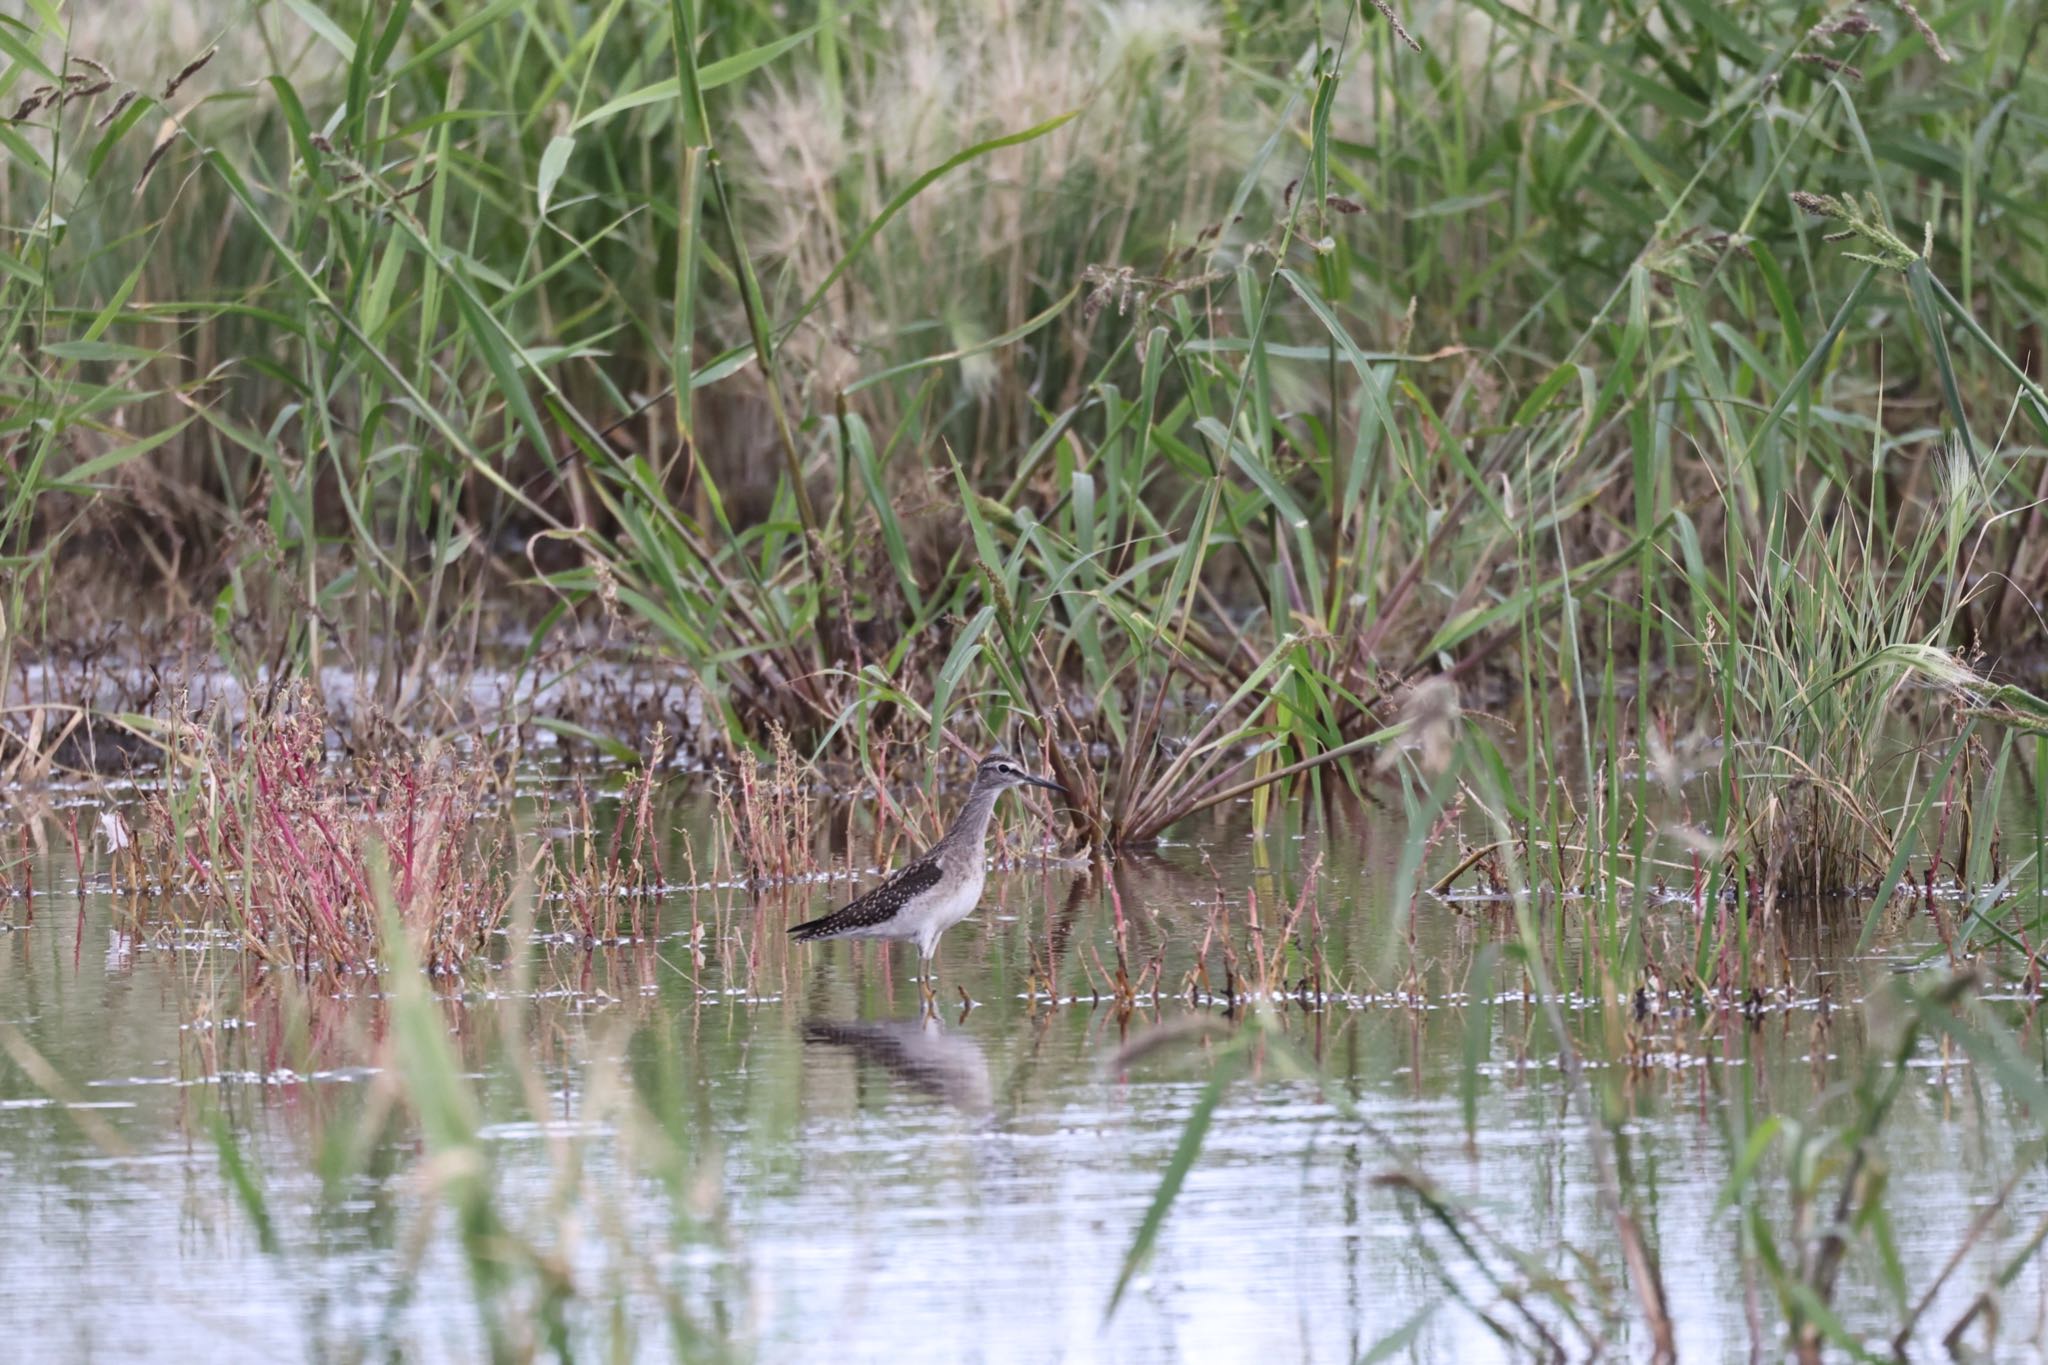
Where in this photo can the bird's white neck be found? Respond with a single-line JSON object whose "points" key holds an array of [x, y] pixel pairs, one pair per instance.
{"points": [[969, 831]]}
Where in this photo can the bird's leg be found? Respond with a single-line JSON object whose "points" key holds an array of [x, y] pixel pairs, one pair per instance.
{"points": [[924, 983]]}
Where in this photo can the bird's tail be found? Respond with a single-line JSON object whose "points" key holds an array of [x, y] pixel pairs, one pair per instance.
{"points": [[823, 927]]}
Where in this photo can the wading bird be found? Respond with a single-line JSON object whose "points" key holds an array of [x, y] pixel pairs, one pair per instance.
{"points": [[932, 893]]}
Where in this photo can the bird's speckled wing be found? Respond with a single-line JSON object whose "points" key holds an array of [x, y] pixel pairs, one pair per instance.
{"points": [[877, 907]]}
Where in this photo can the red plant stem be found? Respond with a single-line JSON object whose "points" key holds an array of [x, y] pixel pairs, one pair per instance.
{"points": [[412, 800], [588, 889], [78, 857], [1255, 933], [342, 863], [615, 878], [324, 911], [1116, 904], [77, 852], [1948, 796], [1723, 943], [640, 841], [653, 844]]}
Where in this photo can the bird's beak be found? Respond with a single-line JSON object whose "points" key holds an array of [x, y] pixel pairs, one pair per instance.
{"points": [[1047, 783]]}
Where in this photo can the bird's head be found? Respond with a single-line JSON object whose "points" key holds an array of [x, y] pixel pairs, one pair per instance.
{"points": [[998, 771]]}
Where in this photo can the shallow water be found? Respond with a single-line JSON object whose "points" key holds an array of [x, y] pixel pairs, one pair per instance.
{"points": [[864, 1184]]}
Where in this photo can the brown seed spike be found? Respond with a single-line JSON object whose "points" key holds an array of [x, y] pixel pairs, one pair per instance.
{"points": [[411, 190], [1927, 34], [165, 136], [1826, 63], [128, 97], [1399, 32], [1851, 23], [191, 70], [29, 105]]}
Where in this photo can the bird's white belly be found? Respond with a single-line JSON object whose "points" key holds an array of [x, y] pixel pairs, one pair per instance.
{"points": [[935, 915]]}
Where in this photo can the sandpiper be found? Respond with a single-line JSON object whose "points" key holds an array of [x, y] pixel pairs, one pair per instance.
{"points": [[932, 893]]}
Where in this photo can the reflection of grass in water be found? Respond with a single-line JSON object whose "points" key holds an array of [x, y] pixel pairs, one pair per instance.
{"points": [[555, 1265], [530, 1265], [1807, 1196]]}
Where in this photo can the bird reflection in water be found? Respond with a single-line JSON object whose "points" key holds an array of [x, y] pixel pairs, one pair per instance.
{"points": [[922, 1053]]}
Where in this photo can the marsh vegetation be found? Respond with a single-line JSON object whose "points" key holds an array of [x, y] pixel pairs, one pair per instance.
{"points": [[1521, 530]]}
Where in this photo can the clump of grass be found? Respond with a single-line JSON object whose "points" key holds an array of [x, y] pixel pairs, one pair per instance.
{"points": [[268, 834], [766, 815], [600, 884]]}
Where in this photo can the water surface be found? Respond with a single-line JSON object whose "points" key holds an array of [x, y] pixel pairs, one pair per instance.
{"points": [[865, 1183]]}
